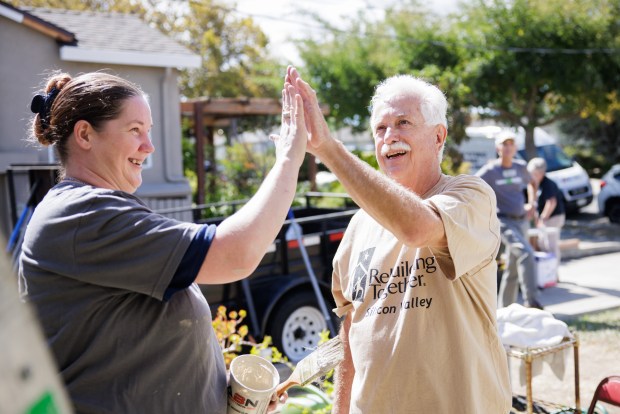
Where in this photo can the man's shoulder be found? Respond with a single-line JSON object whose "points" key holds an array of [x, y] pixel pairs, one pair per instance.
{"points": [[360, 218], [467, 181], [490, 165]]}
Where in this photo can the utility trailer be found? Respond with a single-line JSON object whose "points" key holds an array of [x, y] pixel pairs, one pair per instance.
{"points": [[279, 296]]}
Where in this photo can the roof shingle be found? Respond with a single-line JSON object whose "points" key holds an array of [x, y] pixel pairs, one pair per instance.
{"points": [[110, 31]]}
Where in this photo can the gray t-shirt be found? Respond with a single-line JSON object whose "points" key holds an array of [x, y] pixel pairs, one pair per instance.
{"points": [[508, 184], [97, 263]]}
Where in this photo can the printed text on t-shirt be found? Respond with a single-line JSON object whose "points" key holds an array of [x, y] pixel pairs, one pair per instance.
{"points": [[372, 284]]}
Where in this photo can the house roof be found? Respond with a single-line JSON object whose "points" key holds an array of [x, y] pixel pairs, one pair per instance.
{"points": [[35, 23], [112, 38]]}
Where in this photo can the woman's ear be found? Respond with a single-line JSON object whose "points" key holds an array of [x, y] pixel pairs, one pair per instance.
{"points": [[82, 132]]}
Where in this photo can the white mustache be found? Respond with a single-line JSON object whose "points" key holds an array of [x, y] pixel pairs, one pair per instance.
{"points": [[398, 145]]}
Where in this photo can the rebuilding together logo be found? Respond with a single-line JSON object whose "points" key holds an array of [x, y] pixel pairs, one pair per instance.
{"points": [[407, 275]]}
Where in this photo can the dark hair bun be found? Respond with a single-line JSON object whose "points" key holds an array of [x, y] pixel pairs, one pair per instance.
{"points": [[43, 125]]}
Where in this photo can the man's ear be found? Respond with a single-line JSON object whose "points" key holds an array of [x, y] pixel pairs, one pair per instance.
{"points": [[82, 132], [441, 133]]}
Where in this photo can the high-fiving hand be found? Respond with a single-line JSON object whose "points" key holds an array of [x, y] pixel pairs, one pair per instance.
{"points": [[293, 138], [315, 122]]}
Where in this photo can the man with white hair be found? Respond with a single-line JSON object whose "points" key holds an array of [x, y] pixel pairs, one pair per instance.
{"points": [[510, 180], [415, 274]]}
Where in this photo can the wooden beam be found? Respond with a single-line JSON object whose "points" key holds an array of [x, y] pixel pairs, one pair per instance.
{"points": [[199, 133], [211, 113], [237, 107], [213, 175], [240, 106]]}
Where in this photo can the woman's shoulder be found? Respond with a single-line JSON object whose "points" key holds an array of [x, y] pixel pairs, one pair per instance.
{"points": [[68, 198]]}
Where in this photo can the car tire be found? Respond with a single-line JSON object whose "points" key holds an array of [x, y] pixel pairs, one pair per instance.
{"points": [[296, 324], [613, 211]]}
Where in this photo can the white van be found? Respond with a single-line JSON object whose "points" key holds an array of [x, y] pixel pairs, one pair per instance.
{"points": [[570, 177]]}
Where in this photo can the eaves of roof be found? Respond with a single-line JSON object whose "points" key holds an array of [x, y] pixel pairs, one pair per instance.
{"points": [[33, 22], [104, 38]]}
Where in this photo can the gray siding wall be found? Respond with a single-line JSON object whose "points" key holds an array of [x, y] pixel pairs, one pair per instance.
{"points": [[27, 58]]}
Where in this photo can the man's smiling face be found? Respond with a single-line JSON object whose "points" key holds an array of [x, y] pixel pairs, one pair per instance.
{"points": [[405, 146]]}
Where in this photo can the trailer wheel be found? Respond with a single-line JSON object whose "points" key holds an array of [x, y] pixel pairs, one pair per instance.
{"points": [[296, 325]]}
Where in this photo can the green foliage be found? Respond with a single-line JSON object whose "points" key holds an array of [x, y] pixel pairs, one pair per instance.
{"points": [[522, 62], [123, 6], [527, 62], [595, 140], [346, 65], [368, 157], [232, 335], [336, 187], [235, 61], [520, 76], [596, 164], [243, 170], [453, 164], [239, 175]]}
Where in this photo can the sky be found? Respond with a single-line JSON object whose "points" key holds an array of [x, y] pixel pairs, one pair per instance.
{"points": [[280, 19]]}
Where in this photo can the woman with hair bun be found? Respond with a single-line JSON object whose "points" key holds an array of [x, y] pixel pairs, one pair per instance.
{"points": [[115, 284]]}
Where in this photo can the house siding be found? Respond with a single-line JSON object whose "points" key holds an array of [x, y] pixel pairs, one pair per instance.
{"points": [[28, 57]]}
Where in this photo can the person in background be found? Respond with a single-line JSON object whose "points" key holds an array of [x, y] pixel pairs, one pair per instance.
{"points": [[115, 284], [415, 274], [509, 178], [551, 211]]}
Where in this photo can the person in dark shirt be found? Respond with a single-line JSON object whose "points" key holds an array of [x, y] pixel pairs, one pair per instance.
{"points": [[551, 210], [115, 285]]}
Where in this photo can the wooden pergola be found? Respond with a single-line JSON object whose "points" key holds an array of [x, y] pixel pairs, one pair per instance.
{"points": [[211, 113]]}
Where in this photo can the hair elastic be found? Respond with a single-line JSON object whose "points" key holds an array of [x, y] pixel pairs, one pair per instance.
{"points": [[42, 105]]}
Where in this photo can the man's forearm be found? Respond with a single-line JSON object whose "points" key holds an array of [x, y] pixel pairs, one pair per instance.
{"points": [[382, 198]]}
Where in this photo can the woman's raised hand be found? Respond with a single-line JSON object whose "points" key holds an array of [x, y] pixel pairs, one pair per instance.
{"points": [[293, 138]]}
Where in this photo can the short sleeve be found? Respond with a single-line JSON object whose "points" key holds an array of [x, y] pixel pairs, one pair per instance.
{"points": [[467, 208], [125, 245], [192, 260], [340, 275]]}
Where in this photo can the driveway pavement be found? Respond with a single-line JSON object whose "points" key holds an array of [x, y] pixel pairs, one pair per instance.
{"points": [[589, 284]]}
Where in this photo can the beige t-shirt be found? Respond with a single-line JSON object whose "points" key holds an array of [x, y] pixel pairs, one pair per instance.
{"points": [[423, 335]]}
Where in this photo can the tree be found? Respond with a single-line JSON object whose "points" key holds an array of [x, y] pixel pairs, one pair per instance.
{"points": [[346, 65], [123, 6], [595, 140], [535, 62], [524, 63], [235, 60], [343, 68]]}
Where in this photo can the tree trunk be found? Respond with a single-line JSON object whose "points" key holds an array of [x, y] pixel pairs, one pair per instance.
{"points": [[530, 146]]}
